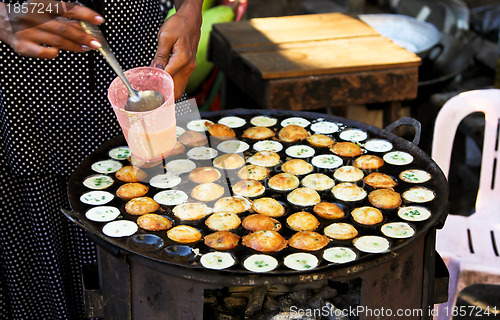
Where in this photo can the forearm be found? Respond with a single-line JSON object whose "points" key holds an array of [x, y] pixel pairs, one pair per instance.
{"points": [[191, 10], [178, 41]]}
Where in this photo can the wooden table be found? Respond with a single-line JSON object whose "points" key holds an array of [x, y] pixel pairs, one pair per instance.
{"points": [[314, 61]]}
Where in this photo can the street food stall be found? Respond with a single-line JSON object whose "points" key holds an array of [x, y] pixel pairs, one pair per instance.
{"points": [[276, 212]]}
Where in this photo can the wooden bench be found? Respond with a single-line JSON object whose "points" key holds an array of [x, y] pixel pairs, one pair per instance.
{"points": [[312, 62]]}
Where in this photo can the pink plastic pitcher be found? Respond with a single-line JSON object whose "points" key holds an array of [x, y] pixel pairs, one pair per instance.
{"points": [[150, 135]]}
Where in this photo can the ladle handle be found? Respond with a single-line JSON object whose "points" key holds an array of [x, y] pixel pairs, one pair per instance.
{"points": [[108, 55]]}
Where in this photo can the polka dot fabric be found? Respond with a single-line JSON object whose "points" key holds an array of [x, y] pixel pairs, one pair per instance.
{"points": [[53, 113]]}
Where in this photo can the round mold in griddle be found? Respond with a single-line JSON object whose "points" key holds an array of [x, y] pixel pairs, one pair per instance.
{"points": [[415, 176], [300, 151], [180, 166], [350, 174], [311, 181], [398, 158], [96, 197], [205, 175], [241, 189], [369, 229], [120, 153], [202, 156], [339, 255], [418, 195], [107, 166], [297, 167], [302, 221], [179, 253], [301, 261], [171, 198], [320, 142], [102, 213], [299, 121], [260, 263], [398, 230], [326, 162], [349, 193], [414, 214], [329, 217], [372, 244], [267, 159], [146, 242], [310, 198], [341, 231], [373, 185], [283, 182], [233, 146], [198, 125], [165, 180], [378, 145], [98, 182], [233, 122], [268, 145], [120, 228], [179, 131], [353, 135], [263, 121], [217, 260], [324, 127]]}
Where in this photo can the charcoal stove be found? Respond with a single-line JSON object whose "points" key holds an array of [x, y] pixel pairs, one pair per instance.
{"points": [[139, 283]]}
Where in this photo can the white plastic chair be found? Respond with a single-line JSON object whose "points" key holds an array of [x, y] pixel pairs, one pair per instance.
{"points": [[470, 245]]}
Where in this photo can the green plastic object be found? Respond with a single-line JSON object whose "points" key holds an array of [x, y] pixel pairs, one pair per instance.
{"points": [[218, 14], [170, 13], [207, 4]]}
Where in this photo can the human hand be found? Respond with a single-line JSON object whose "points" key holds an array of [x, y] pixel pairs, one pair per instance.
{"points": [[177, 44], [40, 28]]}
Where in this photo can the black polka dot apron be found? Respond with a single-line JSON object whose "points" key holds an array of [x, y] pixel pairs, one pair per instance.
{"points": [[53, 113]]}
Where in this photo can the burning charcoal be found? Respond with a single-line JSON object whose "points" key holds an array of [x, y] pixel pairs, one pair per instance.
{"points": [[335, 313], [316, 303], [271, 304], [327, 293], [256, 300], [340, 301], [232, 303], [301, 297], [346, 300], [318, 300], [285, 303], [352, 297]]}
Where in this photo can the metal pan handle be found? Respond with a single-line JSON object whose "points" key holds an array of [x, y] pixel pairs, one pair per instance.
{"points": [[74, 218], [406, 121]]}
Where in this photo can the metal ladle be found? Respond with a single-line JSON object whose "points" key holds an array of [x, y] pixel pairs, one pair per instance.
{"points": [[138, 101]]}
